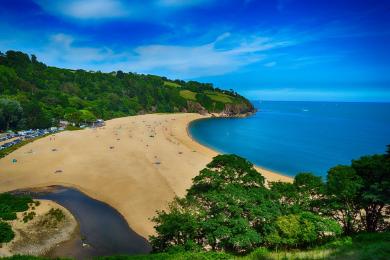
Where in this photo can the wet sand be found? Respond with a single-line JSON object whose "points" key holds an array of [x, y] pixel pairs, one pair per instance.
{"points": [[135, 164]]}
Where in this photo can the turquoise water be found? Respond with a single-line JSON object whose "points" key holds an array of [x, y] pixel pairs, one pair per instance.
{"points": [[292, 137]]}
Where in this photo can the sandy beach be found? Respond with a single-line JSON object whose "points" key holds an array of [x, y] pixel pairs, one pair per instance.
{"points": [[136, 164]]}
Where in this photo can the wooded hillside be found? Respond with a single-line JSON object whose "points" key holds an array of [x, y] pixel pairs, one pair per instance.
{"points": [[34, 95]]}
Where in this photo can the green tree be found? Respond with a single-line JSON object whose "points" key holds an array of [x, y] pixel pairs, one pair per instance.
{"points": [[87, 116], [10, 113], [287, 194], [304, 194], [374, 195], [228, 206], [343, 186], [8, 80], [302, 230], [206, 102], [36, 116], [177, 227], [74, 117], [310, 190]]}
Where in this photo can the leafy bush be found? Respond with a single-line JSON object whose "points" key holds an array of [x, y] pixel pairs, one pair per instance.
{"points": [[6, 233], [57, 214], [8, 216], [302, 230], [28, 216], [10, 204]]}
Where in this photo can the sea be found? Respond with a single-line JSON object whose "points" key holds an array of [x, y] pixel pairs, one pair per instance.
{"points": [[293, 137]]}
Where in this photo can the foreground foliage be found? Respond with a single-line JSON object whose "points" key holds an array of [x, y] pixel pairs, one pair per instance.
{"points": [[229, 208], [358, 247], [361, 246]]}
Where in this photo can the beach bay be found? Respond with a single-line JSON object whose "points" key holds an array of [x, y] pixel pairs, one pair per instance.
{"points": [[135, 164]]}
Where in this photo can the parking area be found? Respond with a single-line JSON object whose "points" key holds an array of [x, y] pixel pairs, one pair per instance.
{"points": [[10, 139]]}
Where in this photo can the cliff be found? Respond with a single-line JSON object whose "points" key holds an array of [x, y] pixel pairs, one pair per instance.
{"points": [[229, 109]]}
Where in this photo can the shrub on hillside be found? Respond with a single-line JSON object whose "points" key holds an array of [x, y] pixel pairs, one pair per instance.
{"points": [[302, 230]]}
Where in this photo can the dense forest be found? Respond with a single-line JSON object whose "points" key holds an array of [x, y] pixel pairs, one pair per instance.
{"points": [[229, 208], [34, 95]]}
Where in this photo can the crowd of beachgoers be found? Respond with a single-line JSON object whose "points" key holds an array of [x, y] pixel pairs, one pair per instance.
{"points": [[10, 139]]}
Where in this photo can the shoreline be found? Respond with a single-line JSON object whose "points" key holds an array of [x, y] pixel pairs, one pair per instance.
{"points": [[136, 164], [270, 175]]}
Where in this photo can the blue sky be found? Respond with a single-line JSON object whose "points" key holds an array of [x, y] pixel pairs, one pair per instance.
{"points": [[264, 49]]}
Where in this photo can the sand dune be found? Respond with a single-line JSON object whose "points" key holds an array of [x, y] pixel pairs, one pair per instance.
{"points": [[136, 164]]}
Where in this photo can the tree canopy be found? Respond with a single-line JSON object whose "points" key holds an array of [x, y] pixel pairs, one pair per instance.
{"points": [[229, 207], [34, 95]]}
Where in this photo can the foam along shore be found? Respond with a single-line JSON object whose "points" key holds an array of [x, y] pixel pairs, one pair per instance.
{"points": [[42, 233], [135, 164]]}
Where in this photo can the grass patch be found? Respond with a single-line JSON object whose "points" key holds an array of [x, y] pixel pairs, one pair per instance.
{"points": [[359, 247], [173, 256], [219, 97], [73, 128], [171, 84], [187, 94]]}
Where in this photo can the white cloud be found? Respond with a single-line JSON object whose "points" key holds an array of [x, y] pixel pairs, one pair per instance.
{"points": [[182, 3], [85, 9], [61, 50], [226, 54], [114, 9]]}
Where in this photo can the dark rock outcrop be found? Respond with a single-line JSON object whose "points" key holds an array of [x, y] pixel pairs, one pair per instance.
{"points": [[234, 110], [195, 107], [229, 110]]}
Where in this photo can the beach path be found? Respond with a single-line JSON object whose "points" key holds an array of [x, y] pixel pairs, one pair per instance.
{"points": [[135, 164]]}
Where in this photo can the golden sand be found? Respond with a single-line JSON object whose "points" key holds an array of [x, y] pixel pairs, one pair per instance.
{"points": [[136, 164]]}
